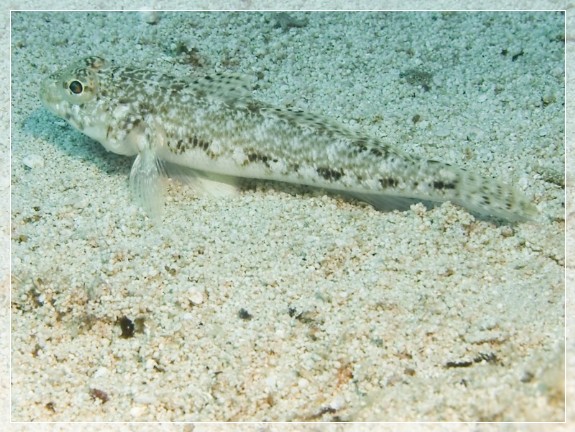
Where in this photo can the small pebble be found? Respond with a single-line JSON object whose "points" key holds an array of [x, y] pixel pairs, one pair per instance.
{"points": [[150, 17], [33, 161], [196, 296], [138, 411], [100, 372]]}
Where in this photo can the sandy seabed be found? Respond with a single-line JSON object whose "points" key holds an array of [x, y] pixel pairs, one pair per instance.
{"points": [[284, 304]]}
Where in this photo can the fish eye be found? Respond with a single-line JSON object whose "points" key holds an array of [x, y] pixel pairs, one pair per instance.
{"points": [[76, 87]]}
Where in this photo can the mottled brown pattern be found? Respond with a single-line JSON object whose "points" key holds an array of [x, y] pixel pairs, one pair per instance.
{"points": [[213, 124]]}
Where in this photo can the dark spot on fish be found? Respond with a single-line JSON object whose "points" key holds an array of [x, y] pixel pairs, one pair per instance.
{"points": [[257, 157], [443, 185], [176, 87], [388, 182], [253, 107], [196, 142], [328, 133], [360, 144], [124, 100], [329, 174]]}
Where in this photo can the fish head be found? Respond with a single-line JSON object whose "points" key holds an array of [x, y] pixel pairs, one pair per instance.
{"points": [[82, 95], [73, 86]]}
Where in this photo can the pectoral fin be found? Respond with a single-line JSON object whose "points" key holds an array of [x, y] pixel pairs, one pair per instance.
{"points": [[147, 183]]}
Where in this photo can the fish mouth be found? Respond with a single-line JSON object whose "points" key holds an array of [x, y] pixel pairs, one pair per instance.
{"points": [[51, 97], [47, 93]]}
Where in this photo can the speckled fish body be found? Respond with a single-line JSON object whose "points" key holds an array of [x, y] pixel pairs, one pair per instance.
{"points": [[212, 124]]}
